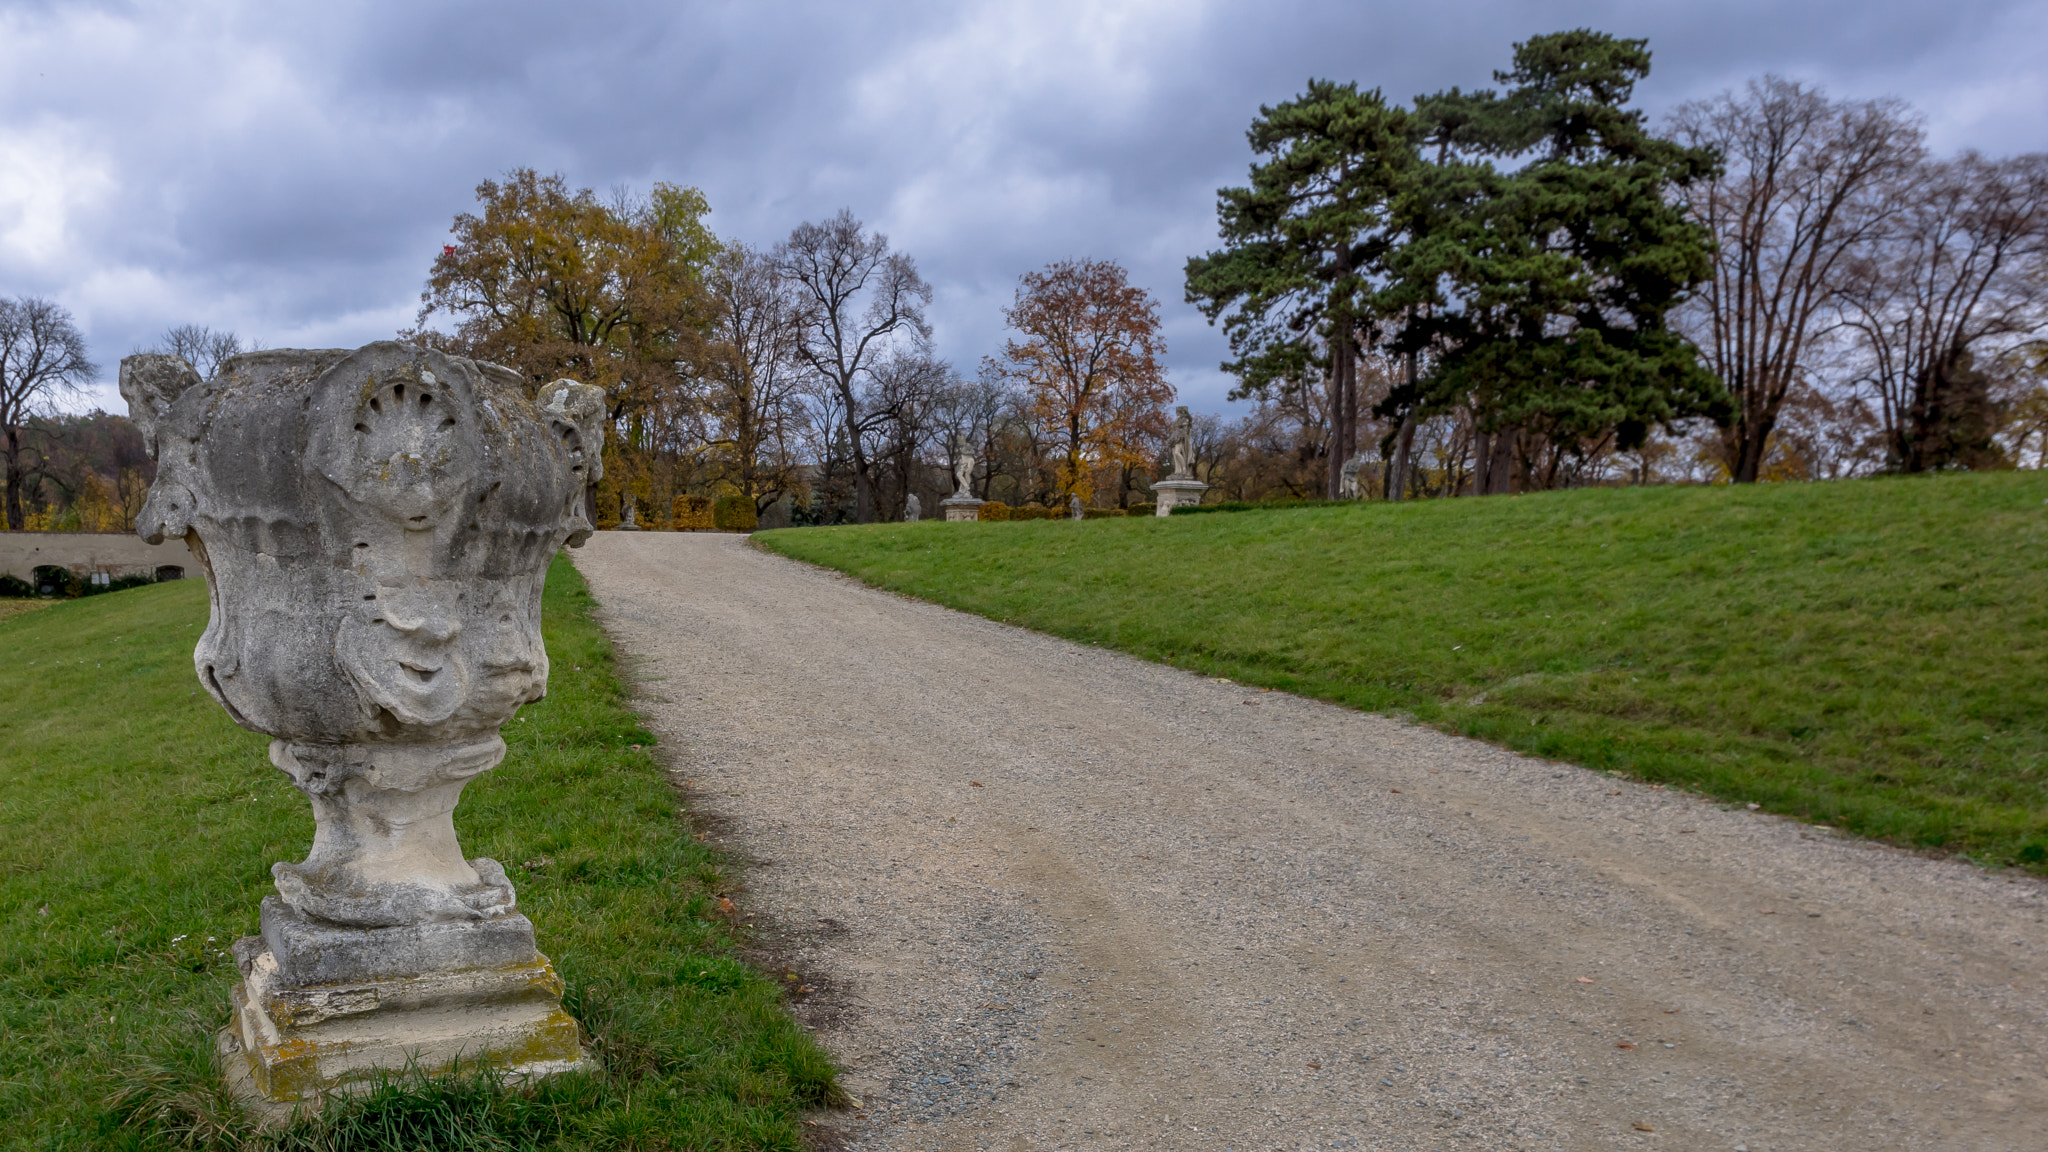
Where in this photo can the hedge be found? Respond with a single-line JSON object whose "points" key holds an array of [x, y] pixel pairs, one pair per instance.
{"points": [[1142, 510], [1261, 506], [993, 510], [692, 513], [734, 514], [1103, 513]]}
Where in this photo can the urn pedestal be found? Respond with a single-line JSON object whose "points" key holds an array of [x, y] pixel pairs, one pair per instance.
{"points": [[1172, 493], [375, 528], [322, 1008]]}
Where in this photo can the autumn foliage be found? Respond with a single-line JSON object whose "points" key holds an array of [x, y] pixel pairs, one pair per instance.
{"points": [[1089, 362]]}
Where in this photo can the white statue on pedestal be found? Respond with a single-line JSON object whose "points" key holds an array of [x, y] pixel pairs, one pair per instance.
{"points": [[1183, 445], [963, 465]]}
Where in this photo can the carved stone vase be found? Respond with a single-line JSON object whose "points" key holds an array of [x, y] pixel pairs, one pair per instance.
{"points": [[375, 527]]}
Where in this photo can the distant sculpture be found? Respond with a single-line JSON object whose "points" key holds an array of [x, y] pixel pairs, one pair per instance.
{"points": [[912, 509], [1347, 479], [1181, 488], [375, 527], [961, 506], [628, 520], [963, 465], [1183, 445], [1074, 509]]}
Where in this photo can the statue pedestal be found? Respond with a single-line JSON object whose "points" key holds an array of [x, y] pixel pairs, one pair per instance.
{"points": [[1172, 493], [961, 508], [323, 1008]]}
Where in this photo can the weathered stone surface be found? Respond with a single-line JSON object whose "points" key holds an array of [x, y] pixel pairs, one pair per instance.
{"points": [[1183, 444], [297, 1043], [963, 467], [1074, 509], [1172, 494], [310, 952], [375, 527], [1347, 478], [913, 509]]}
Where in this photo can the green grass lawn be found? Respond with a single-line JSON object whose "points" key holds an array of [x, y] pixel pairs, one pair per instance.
{"points": [[1872, 654], [137, 830]]}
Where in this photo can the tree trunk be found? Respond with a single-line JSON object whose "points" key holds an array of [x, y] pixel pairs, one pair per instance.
{"points": [[1404, 446], [15, 521], [1500, 463], [1343, 437], [863, 483], [1350, 401]]}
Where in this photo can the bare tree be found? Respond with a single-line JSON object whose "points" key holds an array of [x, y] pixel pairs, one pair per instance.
{"points": [[1809, 188], [201, 347], [905, 426], [754, 377], [1958, 284], [857, 304], [42, 357]]}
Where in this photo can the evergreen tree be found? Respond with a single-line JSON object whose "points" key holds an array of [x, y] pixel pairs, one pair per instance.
{"points": [[1300, 282], [1550, 282], [1529, 243]]}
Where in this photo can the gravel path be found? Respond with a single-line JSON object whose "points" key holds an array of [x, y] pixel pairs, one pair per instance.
{"points": [[1048, 896]]}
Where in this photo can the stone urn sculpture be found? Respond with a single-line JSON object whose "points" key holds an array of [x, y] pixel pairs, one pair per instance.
{"points": [[375, 527]]}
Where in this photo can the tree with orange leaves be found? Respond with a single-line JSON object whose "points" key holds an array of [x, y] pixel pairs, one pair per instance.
{"points": [[1089, 361]]}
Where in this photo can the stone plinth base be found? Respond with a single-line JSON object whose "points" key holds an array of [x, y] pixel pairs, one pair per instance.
{"points": [[1172, 494], [961, 508], [321, 1008]]}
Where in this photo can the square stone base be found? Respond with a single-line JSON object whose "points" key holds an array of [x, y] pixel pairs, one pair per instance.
{"points": [[959, 508], [1172, 493], [294, 1041], [310, 952]]}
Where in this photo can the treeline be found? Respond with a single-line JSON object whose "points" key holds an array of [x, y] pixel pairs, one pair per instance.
{"points": [[1526, 287], [803, 374]]}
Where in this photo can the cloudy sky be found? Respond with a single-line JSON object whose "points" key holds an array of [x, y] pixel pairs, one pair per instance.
{"points": [[287, 170]]}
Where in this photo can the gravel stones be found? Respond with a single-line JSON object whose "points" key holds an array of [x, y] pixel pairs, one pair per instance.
{"points": [[1164, 919]]}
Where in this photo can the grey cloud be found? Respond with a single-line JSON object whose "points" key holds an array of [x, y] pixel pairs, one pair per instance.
{"points": [[290, 173]]}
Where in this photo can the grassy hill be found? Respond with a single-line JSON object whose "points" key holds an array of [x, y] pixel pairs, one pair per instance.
{"points": [[1872, 654], [137, 830]]}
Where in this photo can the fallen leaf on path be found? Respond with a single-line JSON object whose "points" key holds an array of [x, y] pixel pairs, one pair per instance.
{"points": [[1626, 1046], [725, 905], [1673, 1011], [976, 783], [1766, 912], [1585, 979], [1616, 792], [1687, 831], [1318, 1067], [1395, 791], [1642, 1127]]}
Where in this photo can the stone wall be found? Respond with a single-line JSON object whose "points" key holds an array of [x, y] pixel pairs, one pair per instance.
{"points": [[115, 553]]}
